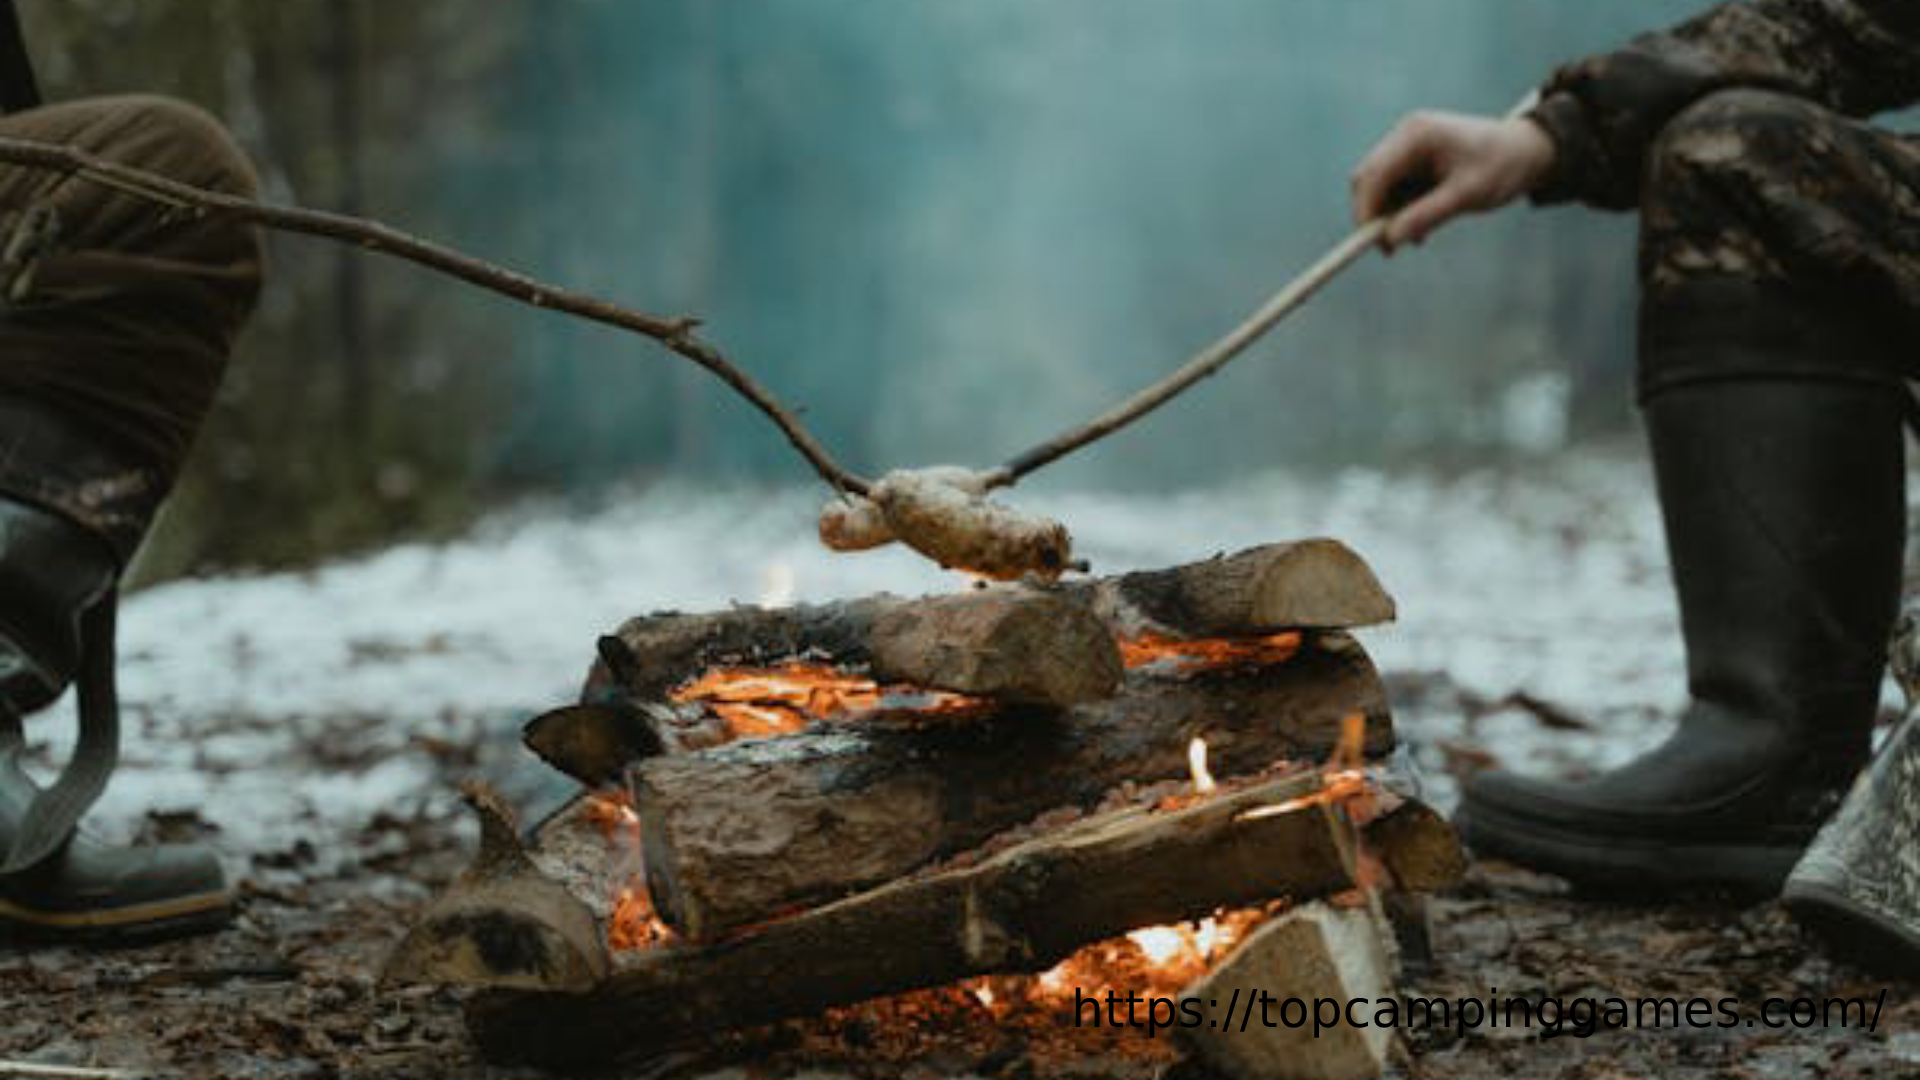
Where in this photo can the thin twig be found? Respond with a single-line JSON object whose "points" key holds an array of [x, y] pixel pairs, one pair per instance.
{"points": [[1204, 363], [676, 334], [66, 1072]]}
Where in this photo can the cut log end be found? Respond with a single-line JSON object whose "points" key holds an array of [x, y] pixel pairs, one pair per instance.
{"points": [[502, 924], [1313, 953], [1305, 585]]}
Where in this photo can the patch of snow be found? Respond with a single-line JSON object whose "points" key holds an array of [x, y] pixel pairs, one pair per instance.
{"points": [[285, 702]]}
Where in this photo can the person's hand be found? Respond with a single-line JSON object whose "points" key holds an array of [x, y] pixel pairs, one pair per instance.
{"points": [[1459, 164]]}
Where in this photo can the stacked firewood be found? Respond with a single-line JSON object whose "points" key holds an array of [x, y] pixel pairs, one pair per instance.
{"points": [[857, 856]]}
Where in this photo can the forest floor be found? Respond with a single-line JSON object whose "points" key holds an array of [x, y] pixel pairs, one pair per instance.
{"points": [[314, 728]]}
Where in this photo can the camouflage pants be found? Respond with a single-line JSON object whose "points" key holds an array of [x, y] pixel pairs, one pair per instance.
{"points": [[1778, 239], [117, 315]]}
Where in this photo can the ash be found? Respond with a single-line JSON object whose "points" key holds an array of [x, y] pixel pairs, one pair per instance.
{"points": [[313, 726]]}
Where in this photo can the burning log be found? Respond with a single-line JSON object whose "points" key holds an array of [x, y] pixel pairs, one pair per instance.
{"points": [[503, 923], [1304, 585], [1315, 953], [1010, 643], [624, 713], [744, 832], [1020, 911]]}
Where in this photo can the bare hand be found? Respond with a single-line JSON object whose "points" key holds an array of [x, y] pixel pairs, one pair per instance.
{"points": [[1471, 163]]}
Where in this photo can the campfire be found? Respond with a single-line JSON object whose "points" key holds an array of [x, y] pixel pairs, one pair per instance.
{"points": [[1017, 799]]}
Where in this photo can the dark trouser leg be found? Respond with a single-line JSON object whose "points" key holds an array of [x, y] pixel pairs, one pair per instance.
{"points": [[1770, 368], [111, 348]]}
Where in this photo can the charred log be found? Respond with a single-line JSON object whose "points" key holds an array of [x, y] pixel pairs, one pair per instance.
{"points": [[1020, 911], [1012, 643], [744, 832]]}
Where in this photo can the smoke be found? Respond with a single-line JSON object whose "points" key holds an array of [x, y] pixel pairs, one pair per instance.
{"points": [[949, 230]]}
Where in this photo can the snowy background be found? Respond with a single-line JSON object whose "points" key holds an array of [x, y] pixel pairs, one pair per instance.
{"points": [[288, 707]]}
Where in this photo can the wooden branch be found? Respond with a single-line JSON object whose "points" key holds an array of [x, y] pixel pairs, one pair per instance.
{"points": [[1204, 363], [1211, 359], [9, 1067], [676, 334], [1021, 911], [747, 831], [1307, 584]]}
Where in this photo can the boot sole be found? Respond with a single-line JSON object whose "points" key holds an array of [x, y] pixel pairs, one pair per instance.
{"points": [[131, 925], [1631, 868], [1853, 932]]}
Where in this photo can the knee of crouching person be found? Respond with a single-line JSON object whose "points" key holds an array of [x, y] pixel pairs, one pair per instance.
{"points": [[182, 142], [185, 143], [1709, 149]]}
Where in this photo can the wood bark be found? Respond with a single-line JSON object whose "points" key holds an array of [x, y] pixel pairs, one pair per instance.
{"points": [[1304, 585], [1012, 643], [624, 714], [747, 831], [1020, 911]]}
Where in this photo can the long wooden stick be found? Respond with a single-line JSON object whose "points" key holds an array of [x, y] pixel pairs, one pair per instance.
{"points": [[1204, 363], [66, 1072], [676, 334], [1215, 356]]}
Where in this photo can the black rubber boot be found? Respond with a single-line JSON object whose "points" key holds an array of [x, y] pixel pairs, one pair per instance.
{"points": [[89, 890], [1784, 503], [51, 572]]}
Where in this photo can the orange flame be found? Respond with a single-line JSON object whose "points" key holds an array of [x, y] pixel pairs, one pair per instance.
{"points": [[633, 924], [785, 698], [612, 810], [1205, 654]]}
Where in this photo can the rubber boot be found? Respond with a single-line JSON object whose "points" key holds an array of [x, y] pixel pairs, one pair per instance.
{"points": [[1784, 506], [50, 572]]}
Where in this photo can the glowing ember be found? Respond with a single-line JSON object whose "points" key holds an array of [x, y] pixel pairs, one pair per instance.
{"points": [[633, 924], [1159, 959], [784, 699], [1350, 752], [1197, 766], [1159, 944], [1206, 654], [612, 811], [1343, 783]]}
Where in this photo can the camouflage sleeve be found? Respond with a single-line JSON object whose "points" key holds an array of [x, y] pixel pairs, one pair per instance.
{"points": [[1855, 56]]}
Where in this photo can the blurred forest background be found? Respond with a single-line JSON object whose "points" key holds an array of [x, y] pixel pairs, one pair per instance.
{"points": [[945, 229]]}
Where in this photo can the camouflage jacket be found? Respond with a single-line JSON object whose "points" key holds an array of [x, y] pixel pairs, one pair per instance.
{"points": [[1858, 57]]}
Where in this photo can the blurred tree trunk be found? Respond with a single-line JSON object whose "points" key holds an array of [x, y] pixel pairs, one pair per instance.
{"points": [[347, 64]]}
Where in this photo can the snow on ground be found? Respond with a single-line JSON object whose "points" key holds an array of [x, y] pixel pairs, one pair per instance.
{"points": [[1547, 578]]}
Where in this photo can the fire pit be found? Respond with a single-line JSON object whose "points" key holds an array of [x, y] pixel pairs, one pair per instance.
{"points": [[1015, 794]]}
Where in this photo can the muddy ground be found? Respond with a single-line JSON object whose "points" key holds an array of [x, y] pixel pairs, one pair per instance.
{"points": [[315, 728], [291, 990]]}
